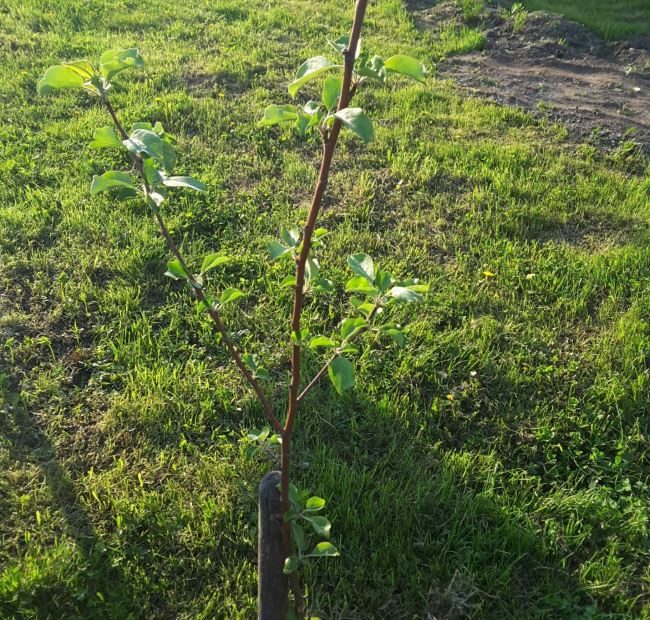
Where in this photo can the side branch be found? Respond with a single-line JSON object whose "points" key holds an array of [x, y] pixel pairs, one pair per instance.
{"points": [[200, 295]]}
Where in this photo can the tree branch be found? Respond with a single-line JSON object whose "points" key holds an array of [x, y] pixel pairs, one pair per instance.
{"points": [[346, 341], [198, 292]]}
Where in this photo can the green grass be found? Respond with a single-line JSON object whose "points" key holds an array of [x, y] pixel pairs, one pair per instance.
{"points": [[613, 19], [497, 467]]}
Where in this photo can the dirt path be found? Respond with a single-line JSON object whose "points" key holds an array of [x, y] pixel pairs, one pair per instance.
{"points": [[555, 68]]}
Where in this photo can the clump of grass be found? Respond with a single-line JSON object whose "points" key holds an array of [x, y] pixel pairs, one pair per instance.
{"points": [[455, 39], [609, 18], [472, 9]]}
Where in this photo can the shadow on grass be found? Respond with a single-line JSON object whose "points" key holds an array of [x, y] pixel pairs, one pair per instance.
{"points": [[87, 584], [444, 533]]}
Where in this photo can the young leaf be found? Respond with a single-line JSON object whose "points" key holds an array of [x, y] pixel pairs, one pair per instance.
{"points": [[230, 294], [351, 326], [384, 281], [324, 285], [396, 334], [59, 77], [372, 68], [405, 65], [314, 504], [169, 157], [312, 270], [362, 265], [300, 337], [325, 549], [288, 281], [84, 68], [331, 92], [291, 236], [357, 120], [114, 61], [321, 341], [341, 374], [298, 535], [175, 271], [105, 137], [184, 182], [359, 284], [251, 363], [401, 293], [291, 564], [151, 173], [342, 43], [145, 141], [321, 525], [277, 250], [109, 180], [309, 70], [275, 114], [213, 260]]}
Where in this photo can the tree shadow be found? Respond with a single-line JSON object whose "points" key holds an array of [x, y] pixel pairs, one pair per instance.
{"points": [[96, 589], [442, 525]]}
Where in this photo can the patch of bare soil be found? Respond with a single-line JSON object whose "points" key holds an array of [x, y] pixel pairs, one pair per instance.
{"points": [[554, 68]]}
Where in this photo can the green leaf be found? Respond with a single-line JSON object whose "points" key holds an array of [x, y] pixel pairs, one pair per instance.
{"points": [[309, 70], [356, 120], [84, 68], [184, 182], [384, 281], [351, 326], [396, 334], [312, 270], [105, 137], [60, 77], [300, 337], [372, 68], [277, 250], [230, 294], [109, 180], [401, 293], [151, 173], [321, 341], [405, 65], [342, 43], [365, 307], [175, 271], [325, 549], [362, 265], [291, 564], [341, 374], [324, 285], [294, 496], [275, 114], [145, 141], [291, 236], [298, 536], [331, 92], [288, 281], [314, 504], [169, 157], [114, 61], [359, 284], [251, 363], [321, 525], [213, 260]]}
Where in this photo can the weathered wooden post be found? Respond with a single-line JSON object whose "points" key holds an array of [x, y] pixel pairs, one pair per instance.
{"points": [[272, 583]]}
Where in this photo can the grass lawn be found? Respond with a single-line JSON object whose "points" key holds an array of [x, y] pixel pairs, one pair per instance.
{"points": [[497, 467], [613, 19]]}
